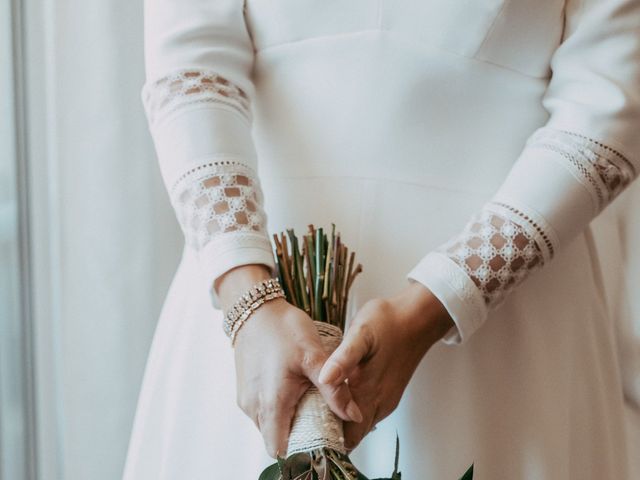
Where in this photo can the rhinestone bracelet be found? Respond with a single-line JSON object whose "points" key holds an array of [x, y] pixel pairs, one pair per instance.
{"points": [[249, 302]]}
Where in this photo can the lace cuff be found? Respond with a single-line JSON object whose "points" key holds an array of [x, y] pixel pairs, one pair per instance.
{"points": [[502, 244], [219, 206], [217, 200]]}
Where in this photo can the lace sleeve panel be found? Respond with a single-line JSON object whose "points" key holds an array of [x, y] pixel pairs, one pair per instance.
{"points": [[603, 171], [218, 200], [505, 241], [185, 88], [570, 169], [496, 249]]}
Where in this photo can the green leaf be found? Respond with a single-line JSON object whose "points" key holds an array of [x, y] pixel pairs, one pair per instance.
{"points": [[272, 472], [395, 465], [295, 465], [468, 474]]}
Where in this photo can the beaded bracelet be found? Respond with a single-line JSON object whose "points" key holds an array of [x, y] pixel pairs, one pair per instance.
{"points": [[248, 303]]}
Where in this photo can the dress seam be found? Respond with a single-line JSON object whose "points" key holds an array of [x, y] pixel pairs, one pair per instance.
{"points": [[386, 179], [316, 37], [404, 38], [491, 28]]}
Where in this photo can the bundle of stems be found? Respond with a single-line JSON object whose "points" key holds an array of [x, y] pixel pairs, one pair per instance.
{"points": [[317, 273], [317, 277]]}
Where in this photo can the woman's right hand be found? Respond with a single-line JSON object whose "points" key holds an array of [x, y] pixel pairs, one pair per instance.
{"points": [[278, 356]]}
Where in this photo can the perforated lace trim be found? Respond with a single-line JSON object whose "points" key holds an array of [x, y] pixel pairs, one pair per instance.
{"points": [[184, 88], [496, 252], [603, 170], [501, 244], [539, 229], [222, 197]]}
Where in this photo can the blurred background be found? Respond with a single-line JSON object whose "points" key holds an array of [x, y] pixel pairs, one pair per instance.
{"points": [[89, 242]]}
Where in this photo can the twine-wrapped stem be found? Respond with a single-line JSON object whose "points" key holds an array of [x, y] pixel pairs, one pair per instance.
{"points": [[314, 424]]}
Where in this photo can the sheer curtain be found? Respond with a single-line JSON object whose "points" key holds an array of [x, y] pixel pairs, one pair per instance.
{"points": [[105, 241]]}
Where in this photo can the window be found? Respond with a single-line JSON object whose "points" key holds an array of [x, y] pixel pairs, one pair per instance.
{"points": [[16, 386]]}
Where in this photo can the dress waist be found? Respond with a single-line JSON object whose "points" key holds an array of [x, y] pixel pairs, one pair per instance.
{"points": [[371, 105]]}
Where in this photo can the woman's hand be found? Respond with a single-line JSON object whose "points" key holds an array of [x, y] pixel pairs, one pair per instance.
{"points": [[382, 348], [278, 355]]}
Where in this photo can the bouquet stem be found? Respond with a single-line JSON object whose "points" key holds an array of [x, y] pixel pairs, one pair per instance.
{"points": [[317, 278]]}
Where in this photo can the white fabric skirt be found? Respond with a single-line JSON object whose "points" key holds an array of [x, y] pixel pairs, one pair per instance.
{"points": [[535, 394]]}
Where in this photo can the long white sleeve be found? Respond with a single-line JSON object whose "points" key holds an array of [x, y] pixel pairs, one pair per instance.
{"points": [[197, 97], [569, 170]]}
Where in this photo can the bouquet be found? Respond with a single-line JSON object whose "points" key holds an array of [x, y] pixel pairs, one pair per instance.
{"points": [[317, 278]]}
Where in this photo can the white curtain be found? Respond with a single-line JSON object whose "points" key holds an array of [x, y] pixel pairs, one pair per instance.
{"points": [[105, 261], [111, 244]]}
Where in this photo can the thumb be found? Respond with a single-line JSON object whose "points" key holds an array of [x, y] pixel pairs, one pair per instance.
{"points": [[338, 397], [355, 346]]}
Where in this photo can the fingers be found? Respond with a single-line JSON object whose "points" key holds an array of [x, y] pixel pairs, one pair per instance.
{"points": [[274, 420], [340, 400], [355, 346], [338, 397], [355, 432]]}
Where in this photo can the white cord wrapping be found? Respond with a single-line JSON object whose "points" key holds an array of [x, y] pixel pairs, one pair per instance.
{"points": [[314, 424]]}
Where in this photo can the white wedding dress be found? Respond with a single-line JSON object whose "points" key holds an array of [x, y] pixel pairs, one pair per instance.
{"points": [[463, 144]]}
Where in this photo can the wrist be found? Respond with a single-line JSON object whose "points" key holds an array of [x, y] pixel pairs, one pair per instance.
{"points": [[421, 309], [236, 281]]}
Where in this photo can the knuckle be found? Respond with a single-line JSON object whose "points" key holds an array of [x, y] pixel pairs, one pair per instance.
{"points": [[312, 359], [268, 408], [360, 340], [355, 330], [243, 403], [333, 394], [270, 448], [378, 304], [349, 348], [261, 421], [275, 403]]}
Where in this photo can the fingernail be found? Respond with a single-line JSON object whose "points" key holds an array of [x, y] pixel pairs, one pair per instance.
{"points": [[354, 412], [329, 373]]}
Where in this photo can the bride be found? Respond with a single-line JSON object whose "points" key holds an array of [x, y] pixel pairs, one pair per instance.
{"points": [[462, 148]]}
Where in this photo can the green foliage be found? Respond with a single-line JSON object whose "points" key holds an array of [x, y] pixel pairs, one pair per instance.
{"points": [[272, 472], [320, 464], [468, 474], [326, 464]]}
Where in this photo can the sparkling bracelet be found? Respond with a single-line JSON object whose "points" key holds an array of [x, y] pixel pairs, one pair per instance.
{"points": [[248, 303]]}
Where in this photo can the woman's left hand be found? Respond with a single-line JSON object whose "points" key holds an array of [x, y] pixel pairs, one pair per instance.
{"points": [[380, 351]]}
